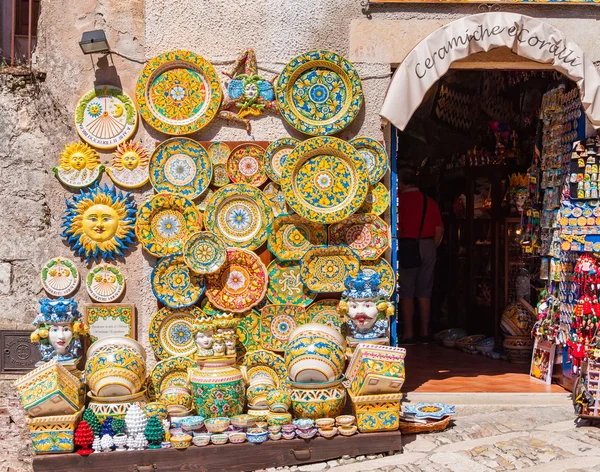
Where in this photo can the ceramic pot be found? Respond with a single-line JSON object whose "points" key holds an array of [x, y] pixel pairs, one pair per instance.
{"points": [[120, 440], [452, 335], [53, 434], [519, 348], [179, 400], [319, 402], [117, 407], [279, 401], [373, 413], [518, 318], [181, 442], [115, 366], [158, 409], [375, 370], [315, 353], [257, 435], [217, 387], [256, 395], [279, 419]]}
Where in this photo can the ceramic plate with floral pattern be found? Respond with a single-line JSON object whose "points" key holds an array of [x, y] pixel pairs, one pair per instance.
{"points": [[366, 234], [276, 324], [164, 222], [275, 156], [268, 359], [286, 286], [433, 411], [172, 372], [219, 152], [174, 284], [178, 92], [60, 277], [324, 269], [324, 180], [374, 154], [248, 331], [240, 284], [220, 175], [181, 166], [385, 271], [291, 236], [105, 283], [276, 199], [204, 252], [246, 165], [239, 214], [325, 312], [319, 92], [171, 331], [377, 200]]}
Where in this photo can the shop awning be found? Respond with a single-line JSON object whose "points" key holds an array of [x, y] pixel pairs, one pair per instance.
{"points": [[526, 36]]}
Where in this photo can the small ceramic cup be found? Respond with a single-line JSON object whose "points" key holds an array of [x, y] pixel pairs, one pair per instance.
{"points": [[325, 423], [217, 425], [202, 439], [219, 439], [345, 420]]}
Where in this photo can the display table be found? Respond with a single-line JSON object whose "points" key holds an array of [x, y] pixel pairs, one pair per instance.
{"points": [[226, 458]]}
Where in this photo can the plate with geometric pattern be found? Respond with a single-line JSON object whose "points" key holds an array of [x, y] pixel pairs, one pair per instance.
{"points": [[374, 155], [364, 233], [377, 199], [276, 324], [286, 286], [172, 372], [204, 252], [324, 269], [174, 284], [325, 312], [291, 236], [275, 156], [171, 331], [246, 165]]}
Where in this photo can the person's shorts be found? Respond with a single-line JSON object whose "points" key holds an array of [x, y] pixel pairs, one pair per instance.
{"points": [[418, 282]]}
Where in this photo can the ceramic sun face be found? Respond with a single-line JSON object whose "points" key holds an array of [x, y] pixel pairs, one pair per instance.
{"points": [[79, 166], [99, 223], [130, 165]]}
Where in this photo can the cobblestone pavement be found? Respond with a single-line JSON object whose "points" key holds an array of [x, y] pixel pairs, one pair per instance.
{"points": [[529, 439]]}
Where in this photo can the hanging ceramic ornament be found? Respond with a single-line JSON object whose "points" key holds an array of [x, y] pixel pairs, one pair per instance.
{"points": [[130, 165], [105, 117], [105, 283], [99, 223], [60, 277], [79, 166]]}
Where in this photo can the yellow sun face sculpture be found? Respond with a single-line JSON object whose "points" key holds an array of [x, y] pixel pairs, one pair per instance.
{"points": [[99, 223], [130, 165], [79, 165]]}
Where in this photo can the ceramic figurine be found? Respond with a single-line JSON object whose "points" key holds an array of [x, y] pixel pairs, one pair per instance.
{"points": [[58, 328], [79, 166], [204, 332], [230, 344], [154, 432], [366, 307], [218, 345], [130, 165], [99, 223], [107, 443], [120, 441], [140, 442], [518, 193], [96, 446], [226, 324], [84, 437], [130, 442], [136, 420]]}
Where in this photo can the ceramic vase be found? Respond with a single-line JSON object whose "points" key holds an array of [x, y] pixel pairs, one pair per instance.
{"points": [[135, 420], [325, 402], [120, 441], [217, 387]]}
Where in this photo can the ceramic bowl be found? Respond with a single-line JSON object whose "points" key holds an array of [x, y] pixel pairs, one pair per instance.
{"points": [[256, 395], [289, 435], [262, 424], [288, 428], [345, 420], [202, 439], [237, 437], [518, 348], [260, 415], [468, 343], [307, 433], [347, 430], [274, 429], [257, 435], [453, 335], [115, 366], [260, 375], [182, 441], [243, 421], [303, 423], [486, 345], [158, 409], [325, 423], [166, 445], [279, 419], [217, 425], [192, 423], [279, 401], [318, 403], [315, 353], [117, 407], [219, 438], [179, 400], [328, 433], [275, 436]]}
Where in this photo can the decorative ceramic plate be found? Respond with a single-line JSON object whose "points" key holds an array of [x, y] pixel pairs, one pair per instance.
{"points": [[219, 152], [164, 222], [178, 92], [204, 252], [324, 180], [324, 269], [174, 284], [291, 236], [60, 277], [171, 331], [385, 271], [325, 312], [276, 324], [268, 359], [171, 372], [275, 156], [377, 200], [276, 199], [130, 165], [248, 331], [286, 286], [240, 214], [209, 309], [220, 176], [434, 411], [240, 284], [105, 283], [79, 166], [319, 92], [205, 198], [374, 155], [105, 117], [364, 233], [246, 165], [182, 166]]}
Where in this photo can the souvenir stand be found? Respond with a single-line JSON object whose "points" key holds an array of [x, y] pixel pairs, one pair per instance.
{"points": [[272, 289]]}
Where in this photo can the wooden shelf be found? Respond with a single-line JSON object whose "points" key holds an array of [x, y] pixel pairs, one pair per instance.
{"points": [[226, 458]]}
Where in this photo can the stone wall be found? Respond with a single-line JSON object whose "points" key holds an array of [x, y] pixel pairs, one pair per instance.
{"points": [[36, 119]]}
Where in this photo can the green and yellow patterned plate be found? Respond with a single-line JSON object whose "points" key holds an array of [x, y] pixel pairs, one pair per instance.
{"points": [[325, 180], [377, 200], [178, 92], [276, 199], [275, 156], [319, 92], [204, 252], [219, 152], [181, 166], [248, 331], [171, 331], [174, 284], [172, 372], [325, 312], [220, 175], [374, 155], [269, 359], [164, 222], [366, 234], [324, 269], [209, 309], [276, 324], [246, 165], [385, 271], [291, 236], [286, 286], [239, 214]]}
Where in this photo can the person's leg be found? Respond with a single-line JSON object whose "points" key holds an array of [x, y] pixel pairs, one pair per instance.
{"points": [[424, 312], [407, 278], [424, 284], [408, 312]]}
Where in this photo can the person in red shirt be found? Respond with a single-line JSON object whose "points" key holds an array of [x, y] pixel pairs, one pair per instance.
{"points": [[421, 227]]}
